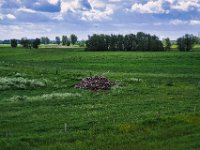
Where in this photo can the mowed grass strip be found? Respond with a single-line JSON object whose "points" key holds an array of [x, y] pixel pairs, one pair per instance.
{"points": [[153, 105]]}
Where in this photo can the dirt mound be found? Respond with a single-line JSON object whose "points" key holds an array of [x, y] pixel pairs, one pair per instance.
{"points": [[94, 83]]}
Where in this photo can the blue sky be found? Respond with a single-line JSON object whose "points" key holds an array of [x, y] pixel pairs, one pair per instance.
{"points": [[36, 18]]}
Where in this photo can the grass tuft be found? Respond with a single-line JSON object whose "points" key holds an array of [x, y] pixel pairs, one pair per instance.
{"points": [[44, 97], [7, 83]]}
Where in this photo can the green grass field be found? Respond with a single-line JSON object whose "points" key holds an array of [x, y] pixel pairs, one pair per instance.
{"points": [[155, 103]]}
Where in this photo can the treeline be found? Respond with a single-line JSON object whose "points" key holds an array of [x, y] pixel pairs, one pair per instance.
{"points": [[102, 42], [27, 43], [130, 42], [138, 42], [34, 43]]}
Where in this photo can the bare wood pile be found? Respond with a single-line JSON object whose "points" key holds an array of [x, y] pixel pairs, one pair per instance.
{"points": [[94, 83]]}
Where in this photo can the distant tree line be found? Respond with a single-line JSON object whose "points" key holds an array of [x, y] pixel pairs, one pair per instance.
{"points": [[138, 42], [130, 42], [102, 42], [34, 43]]}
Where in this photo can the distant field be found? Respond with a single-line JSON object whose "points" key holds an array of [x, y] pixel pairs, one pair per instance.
{"points": [[4, 45], [58, 46], [155, 103]]}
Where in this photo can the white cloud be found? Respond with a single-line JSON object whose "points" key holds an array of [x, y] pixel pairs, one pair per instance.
{"points": [[158, 6], [69, 5], [97, 15], [115, 1], [96, 4], [149, 7], [53, 2], [1, 17], [99, 10], [186, 5], [10, 16], [24, 30], [184, 22], [178, 22], [195, 22], [23, 9]]}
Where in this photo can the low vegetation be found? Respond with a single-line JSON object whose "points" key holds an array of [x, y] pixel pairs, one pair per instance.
{"points": [[7, 83], [44, 97]]}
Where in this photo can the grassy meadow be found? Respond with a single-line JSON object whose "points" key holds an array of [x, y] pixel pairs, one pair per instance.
{"points": [[154, 104]]}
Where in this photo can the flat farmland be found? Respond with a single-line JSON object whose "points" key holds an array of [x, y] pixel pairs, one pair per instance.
{"points": [[154, 103]]}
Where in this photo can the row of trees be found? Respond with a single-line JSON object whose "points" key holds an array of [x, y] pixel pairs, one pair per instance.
{"points": [[27, 43], [67, 41], [131, 42], [138, 42], [34, 43]]}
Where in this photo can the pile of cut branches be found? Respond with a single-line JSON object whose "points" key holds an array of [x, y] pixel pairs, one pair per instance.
{"points": [[94, 83]]}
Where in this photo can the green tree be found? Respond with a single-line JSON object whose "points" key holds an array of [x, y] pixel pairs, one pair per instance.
{"points": [[142, 41], [68, 42], [58, 40], [13, 43], [113, 42], [186, 42], [45, 40], [168, 44], [36, 43], [73, 38], [120, 43], [26, 43], [64, 40]]}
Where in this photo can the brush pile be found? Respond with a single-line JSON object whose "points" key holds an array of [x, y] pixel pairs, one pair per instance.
{"points": [[94, 83]]}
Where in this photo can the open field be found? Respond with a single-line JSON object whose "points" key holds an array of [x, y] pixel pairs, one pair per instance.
{"points": [[4, 45], [155, 103]]}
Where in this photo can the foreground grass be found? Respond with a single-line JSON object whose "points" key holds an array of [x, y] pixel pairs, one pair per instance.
{"points": [[154, 104]]}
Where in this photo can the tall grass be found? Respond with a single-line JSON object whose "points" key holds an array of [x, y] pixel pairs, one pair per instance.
{"points": [[7, 83], [44, 97]]}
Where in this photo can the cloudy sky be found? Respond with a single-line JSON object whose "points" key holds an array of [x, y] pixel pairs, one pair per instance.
{"points": [[36, 18]]}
